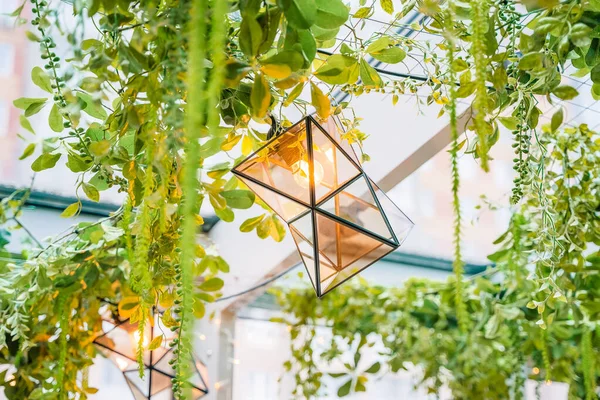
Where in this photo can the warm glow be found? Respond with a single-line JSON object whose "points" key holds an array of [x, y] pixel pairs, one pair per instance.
{"points": [[301, 173], [329, 154], [202, 337], [535, 370], [136, 338], [121, 363]]}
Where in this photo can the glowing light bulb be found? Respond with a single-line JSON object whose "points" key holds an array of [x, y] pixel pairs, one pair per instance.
{"points": [[136, 338], [301, 173]]}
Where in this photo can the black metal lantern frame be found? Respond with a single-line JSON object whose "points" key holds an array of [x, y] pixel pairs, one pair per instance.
{"points": [[341, 221], [118, 341]]}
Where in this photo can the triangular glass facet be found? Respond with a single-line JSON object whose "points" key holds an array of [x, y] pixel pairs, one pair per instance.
{"points": [[286, 208], [282, 164], [401, 225], [332, 166], [137, 394], [356, 205], [350, 250], [333, 128], [133, 377], [160, 382], [302, 233]]}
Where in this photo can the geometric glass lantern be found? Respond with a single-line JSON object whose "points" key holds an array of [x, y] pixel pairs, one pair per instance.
{"points": [[339, 219], [118, 342]]}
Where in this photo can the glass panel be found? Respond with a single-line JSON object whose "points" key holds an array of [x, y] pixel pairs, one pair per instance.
{"points": [[202, 374], [284, 207], [400, 223], [302, 233], [142, 384], [333, 167], [356, 205], [120, 339], [137, 395], [163, 365], [350, 250], [197, 394], [159, 382], [166, 394], [282, 164], [334, 129]]}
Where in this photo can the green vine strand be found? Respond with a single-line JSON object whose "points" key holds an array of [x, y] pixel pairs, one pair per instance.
{"points": [[521, 147], [461, 310], [588, 365], [194, 120], [480, 10], [65, 311], [546, 356]]}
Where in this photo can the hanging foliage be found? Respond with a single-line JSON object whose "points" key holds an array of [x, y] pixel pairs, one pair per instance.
{"points": [[159, 99]]}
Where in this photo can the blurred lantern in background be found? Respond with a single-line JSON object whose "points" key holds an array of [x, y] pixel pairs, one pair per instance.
{"points": [[118, 342], [340, 220]]}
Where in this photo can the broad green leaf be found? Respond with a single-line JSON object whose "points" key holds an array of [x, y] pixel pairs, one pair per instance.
{"points": [[363, 12], [338, 69], [509, 123], [260, 97], [324, 34], [369, 75], [378, 45], [344, 390], [28, 151], [296, 91], [282, 64], [128, 305], [557, 120], [41, 79], [387, 6], [100, 148], [217, 201], [55, 119], [301, 14], [76, 163], [71, 210], [24, 103], [251, 36], [392, 55], [531, 61], [373, 369], [240, 199], [565, 92], [595, 74], [212, 285], [199, 309], [156, 342], [211, 147], [92, 107], [251, 223], [25, 123], [320, 101], [331, 14], [45, 161], [225, 214], [91, 192], [263, 230], [277, 229]]}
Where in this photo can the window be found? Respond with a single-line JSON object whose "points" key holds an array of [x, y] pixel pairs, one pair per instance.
{"points": [[4, 114], [7, 59]]}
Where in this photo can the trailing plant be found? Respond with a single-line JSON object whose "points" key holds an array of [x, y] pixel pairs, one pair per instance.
{"points": [[159, 99]]}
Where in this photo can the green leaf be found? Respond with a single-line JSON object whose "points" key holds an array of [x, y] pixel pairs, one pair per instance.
{"points": [[387, 6], [199, 309], [331, 14], [373, 369], [557, 120], [369, 75], [301, 14], [565, 92], [392, 55], [263, 230], [282, 64], [92, 107], [41, 79], [55, 119], [363, 12], [320, 101], [251, 36], [531, 61], [71, 210], [45, 161], [91, 192], [225, 214], [338, 69], [76, 163], [378, 45], [296, 91], [240, 199], [212, 285], [595, 74], [155, 343], [344, 390], [28, 151], [100, 149], [251, 223], [25, 123], [324, 34], [260, 97], [277, 229], [24, 103]]}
